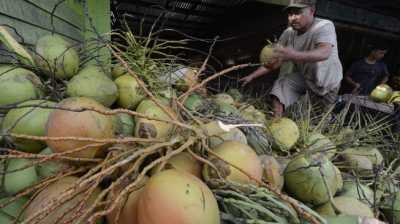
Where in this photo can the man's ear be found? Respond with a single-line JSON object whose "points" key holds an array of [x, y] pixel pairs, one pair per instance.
{"points": [[312, 10]]}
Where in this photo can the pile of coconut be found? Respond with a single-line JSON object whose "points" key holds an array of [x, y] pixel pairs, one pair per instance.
{"points": [[144, 141]]}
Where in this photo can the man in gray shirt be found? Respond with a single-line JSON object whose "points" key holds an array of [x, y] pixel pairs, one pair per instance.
{"points": [[309, 46]]}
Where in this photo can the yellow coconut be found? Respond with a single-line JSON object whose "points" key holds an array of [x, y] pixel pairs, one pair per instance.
{"points": [[68, 209], [173, 197], [128, 212], [362, 159], [273, 172], [147, 128], [236, 155], [381, 93], [285, 133], [267, 53], [67, 123], [183, 162], [129, 91]]}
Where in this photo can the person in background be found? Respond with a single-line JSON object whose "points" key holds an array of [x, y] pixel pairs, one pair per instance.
{"points": [[310, 45], [365, 74]]}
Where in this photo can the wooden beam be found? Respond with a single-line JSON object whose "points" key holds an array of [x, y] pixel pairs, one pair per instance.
{"points": [[97, 22], [275, 2]]}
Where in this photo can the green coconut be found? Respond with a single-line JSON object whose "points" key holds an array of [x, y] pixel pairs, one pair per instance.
{"points": [[304, 178], [285, 133], [358, 191], [223, 98], [362, 159], [57, 56], [9, 213], [246, 107], [395, 97], [317, 142], [238, 155], [345, 219], [381, 93], [273, 172], [168, 93], [1, 124], [130, 93], [18, 177], [266, 54], [248, 115], [345, 206], [259, 117], [118, 70], [91, 82], [339, 179], [124, 124], [194, 102], [235, 94], [391, 207], [227, 110], [95, 69], [49, 168], [28, 121], [346, 136], [146, 128], [18, 85]]}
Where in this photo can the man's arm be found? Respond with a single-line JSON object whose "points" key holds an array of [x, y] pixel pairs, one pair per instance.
{"points": [[321, 53], [262, 70], [386, 74], [348, 78]]}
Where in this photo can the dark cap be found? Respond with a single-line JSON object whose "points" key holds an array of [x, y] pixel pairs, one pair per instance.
{"points": [[301, 3]]}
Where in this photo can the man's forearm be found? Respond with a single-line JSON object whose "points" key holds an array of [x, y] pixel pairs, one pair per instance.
{"points": [[319, 54], [262, 70], [350, 80]]}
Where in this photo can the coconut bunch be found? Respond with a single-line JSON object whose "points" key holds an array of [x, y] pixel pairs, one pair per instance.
{"points": [[91, 144], [337, 161]]}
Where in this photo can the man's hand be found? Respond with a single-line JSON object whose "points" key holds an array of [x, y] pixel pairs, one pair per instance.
{"points": [[356, 89], [246, 80], [286, 53], [274, 63]]}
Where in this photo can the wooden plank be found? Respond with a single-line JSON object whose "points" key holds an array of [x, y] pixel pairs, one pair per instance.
{"points": [[365, 102], [30, 14], [275, 2], [71, 11], [338, 11], [29, 32]]}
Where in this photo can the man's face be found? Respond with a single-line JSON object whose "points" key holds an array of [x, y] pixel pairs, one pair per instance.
{"points": [[300, 18], [379, 54]]}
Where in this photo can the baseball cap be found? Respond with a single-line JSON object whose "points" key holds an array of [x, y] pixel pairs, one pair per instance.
{"points": [[300, 4]]}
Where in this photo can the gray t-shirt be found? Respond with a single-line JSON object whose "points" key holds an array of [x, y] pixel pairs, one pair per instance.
{"points": [[323, 76]]}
